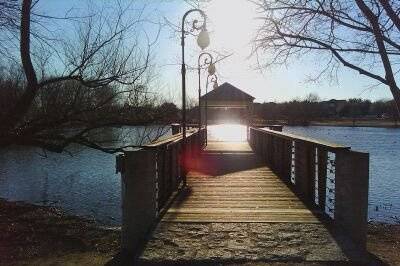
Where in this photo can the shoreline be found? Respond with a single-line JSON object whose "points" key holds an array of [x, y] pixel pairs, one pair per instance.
{"points": [[333, 123], [357, 123], [41, 235]]}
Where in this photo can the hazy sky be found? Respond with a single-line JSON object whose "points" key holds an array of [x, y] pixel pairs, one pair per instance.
{"points": [[232, 26]]}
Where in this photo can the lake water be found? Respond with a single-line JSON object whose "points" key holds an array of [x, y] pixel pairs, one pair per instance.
{"points": [[83, 184], [86, 184], [383, 145]]}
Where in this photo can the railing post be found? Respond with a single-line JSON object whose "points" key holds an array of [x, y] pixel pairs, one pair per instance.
{"points": [[139, 207], [304, 169], [351, 197], [314, 163], [174, 167], [175, 128]]}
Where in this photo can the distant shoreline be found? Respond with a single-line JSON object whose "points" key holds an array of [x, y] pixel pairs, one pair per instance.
{"points": [[357, 123], [381, 123]]}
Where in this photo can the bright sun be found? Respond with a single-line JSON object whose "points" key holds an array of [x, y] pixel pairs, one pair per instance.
{"points": [[232, 24]]}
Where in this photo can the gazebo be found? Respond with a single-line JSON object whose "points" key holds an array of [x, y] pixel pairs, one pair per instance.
{"points": [[226, 104]]}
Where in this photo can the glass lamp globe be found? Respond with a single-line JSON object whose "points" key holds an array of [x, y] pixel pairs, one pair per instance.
{"points": [[215, 85], [203, 40], [211, 69]]}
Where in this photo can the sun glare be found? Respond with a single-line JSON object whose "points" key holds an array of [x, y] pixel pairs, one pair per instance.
{"points": [[232, 24], [227, 132]]}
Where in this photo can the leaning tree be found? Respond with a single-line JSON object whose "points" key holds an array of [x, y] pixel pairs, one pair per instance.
{"points": [[80, 73], [362, 35]]}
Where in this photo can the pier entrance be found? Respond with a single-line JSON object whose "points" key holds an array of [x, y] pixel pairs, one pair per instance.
{"points": [[236, 209], [277, 197]]}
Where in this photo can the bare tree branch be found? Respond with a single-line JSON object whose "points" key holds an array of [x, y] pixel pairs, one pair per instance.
{"points": [[360, 35]]}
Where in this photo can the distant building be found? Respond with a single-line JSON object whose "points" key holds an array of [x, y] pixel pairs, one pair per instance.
{"points": [[333, 107], [226, 103]]}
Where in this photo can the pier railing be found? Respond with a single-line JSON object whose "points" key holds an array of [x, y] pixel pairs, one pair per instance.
{"points": [[151, 176], [330, 177], [169, 162]]}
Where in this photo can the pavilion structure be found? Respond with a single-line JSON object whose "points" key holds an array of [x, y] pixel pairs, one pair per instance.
{"points": [[226, 104]]}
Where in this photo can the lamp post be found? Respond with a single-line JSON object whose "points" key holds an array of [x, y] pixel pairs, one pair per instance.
{"points": [[214, 79], [203, 41], [211, 70]]}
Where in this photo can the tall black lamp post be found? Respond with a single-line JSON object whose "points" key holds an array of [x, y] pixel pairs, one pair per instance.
{"points": [[203, 40], [211, 71], [214, 79]]}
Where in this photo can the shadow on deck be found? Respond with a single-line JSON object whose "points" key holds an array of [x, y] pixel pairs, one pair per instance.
{"points": [[236, 210]]}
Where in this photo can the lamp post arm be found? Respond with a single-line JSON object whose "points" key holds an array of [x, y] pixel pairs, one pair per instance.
{"points": [[183, 73], [208, 60], [214, 79]]}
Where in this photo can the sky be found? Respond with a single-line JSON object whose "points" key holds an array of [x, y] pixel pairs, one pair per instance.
{"points": [[232, 26]]}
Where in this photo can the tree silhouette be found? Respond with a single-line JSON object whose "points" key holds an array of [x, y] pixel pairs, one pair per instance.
{"points": [[361, 35]]}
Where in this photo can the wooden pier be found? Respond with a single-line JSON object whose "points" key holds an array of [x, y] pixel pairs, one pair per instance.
{"points": [[276, 198], [222, 190]]}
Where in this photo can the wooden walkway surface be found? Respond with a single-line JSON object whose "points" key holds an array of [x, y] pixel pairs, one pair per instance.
{"points": [[237, 210], [230, 185]]}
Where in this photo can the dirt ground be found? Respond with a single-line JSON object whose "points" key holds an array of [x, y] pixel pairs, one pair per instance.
{"points": [[384, 242], [35, 235]]}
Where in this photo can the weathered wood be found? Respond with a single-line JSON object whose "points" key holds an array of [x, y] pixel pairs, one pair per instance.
{"points": [[351, 197], [176, 128], [139, 205], [327, 144], [304, 174], [150, 177], [251, 194], [344, 198], [228, 147]]}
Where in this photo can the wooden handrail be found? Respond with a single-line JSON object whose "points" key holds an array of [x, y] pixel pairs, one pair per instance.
{"points": [[327, 176], [169, 160], [168, 139], [151, 176], [323, 143]]}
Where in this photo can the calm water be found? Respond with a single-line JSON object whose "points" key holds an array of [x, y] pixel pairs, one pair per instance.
{"points": [[383, 145], [86, 183]]}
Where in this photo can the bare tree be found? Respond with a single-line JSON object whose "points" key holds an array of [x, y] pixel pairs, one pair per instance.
{"points": [[98, 70], [9, 12], [361, 35]]}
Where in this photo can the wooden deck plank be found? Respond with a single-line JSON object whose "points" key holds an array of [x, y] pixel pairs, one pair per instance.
{"points": [[219, 146], [252, 194], [237, 209]]}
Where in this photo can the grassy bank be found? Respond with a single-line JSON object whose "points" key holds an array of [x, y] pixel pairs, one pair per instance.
{"points": [[35, 235]]}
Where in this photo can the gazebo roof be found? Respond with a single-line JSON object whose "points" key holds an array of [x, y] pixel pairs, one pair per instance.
{"points": [[227, 92]]}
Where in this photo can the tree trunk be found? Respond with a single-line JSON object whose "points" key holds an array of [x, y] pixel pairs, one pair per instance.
{"points": [[396, 96], [25, 101], [389, 77]]}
